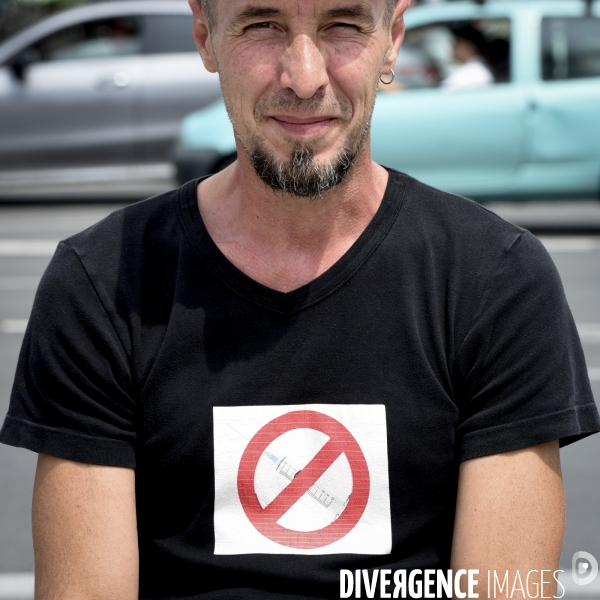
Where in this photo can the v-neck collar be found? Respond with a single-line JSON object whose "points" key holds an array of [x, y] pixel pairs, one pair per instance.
{"points": [[316, 290]]}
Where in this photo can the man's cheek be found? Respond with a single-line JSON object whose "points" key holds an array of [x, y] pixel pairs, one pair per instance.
{"points": [[253, 59]]}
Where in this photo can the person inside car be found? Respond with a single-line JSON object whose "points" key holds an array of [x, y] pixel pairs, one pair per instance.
{"points": [[469, 51]]}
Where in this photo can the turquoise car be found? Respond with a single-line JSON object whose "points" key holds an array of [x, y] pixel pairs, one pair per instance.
{"points": [[519, 119]]}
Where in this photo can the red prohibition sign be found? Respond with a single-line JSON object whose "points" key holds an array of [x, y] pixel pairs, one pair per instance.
{"points": [[340, 440]]}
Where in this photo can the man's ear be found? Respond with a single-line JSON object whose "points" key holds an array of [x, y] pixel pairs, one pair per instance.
{"points": [[397, 28], [202, 36]]}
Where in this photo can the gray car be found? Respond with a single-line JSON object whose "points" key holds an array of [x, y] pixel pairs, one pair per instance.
{"points": [[100, 85]]}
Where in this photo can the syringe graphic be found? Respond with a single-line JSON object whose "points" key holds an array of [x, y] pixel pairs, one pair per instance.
{"points": [[321, 496], [284, 468]]}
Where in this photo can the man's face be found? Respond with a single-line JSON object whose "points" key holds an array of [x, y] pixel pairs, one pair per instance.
{"points": [[299, 79], [464, 51]]}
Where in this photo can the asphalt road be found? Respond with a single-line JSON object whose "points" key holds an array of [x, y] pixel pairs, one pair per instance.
{"points": [[28, 235]]}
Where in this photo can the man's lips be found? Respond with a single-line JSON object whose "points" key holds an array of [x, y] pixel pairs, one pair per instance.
{"points": [[303, 125]]}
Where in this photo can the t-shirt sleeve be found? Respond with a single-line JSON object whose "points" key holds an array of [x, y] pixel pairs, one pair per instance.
{"points": [[520, 371], [72, 392]]}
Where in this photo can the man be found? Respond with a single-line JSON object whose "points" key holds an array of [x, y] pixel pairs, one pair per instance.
{"points": [[312, 362]]}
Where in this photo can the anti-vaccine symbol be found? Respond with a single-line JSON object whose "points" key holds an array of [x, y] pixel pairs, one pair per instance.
{"points": [[309, 479], [344, 514]]}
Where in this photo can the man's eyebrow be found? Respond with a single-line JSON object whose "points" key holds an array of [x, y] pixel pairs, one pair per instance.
{"points": [[254, 12], [354, 11]]}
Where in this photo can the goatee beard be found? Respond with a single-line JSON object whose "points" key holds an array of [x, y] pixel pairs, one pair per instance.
{"points": [[302, 176]]}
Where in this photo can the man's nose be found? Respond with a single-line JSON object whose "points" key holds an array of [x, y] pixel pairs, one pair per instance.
{"points": [[304, 67]]}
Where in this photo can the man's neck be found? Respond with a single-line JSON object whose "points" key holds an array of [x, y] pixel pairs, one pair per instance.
{"points": [[280, 240]]}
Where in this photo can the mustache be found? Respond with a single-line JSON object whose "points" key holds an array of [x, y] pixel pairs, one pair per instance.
{"points": [[286, 101]]}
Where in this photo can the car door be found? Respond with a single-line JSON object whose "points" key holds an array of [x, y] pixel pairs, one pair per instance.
{"points": [[173, 83], [72, 104], [563, 153], [465, 138]]}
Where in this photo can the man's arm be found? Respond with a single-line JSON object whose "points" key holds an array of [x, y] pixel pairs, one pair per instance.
{"points": [[510, 517], [84, 531]]}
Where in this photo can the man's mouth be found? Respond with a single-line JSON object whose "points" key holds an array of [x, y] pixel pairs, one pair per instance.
{"points": [[310, 125]]}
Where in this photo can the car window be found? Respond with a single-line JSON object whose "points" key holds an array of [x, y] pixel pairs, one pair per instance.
{"points": [[167, 34], [570, 48], [103, 38], [455, 55]]}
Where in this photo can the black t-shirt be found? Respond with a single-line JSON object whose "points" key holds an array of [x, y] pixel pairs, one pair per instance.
{"points": [[280, 437]]}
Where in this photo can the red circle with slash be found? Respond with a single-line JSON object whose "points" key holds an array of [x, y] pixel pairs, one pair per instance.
{"points": [[340, 441]]}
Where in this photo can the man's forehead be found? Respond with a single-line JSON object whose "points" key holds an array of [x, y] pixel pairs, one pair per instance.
{"points": [[246, 9]]}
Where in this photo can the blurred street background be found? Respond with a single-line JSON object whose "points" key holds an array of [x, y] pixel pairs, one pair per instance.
{"points": [[108, 103]]}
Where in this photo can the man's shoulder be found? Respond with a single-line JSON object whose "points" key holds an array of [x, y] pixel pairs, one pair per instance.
{"points": [[131, 251], [132, 232], [468, 244], [447, 217]]}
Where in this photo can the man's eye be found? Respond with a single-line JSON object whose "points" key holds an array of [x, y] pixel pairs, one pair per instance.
{"points": [[264, 25], [345, 25]]}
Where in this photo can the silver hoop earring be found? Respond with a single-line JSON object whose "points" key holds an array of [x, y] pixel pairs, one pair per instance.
{"points": [[390, 81]]}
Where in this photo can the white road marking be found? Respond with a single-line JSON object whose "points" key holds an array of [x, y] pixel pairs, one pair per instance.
{"points": [[19, 284], [589, 332], [127, 173], [13, 325], [592, 329], [16, 585], [570, 244], [46, 247], [27, 247]]}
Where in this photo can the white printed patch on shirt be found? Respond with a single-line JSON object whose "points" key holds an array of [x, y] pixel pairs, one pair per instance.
{"points": [[304, 479]]}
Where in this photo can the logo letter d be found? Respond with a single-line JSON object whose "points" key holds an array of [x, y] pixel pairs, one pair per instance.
{"points": [[577, 571]]}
